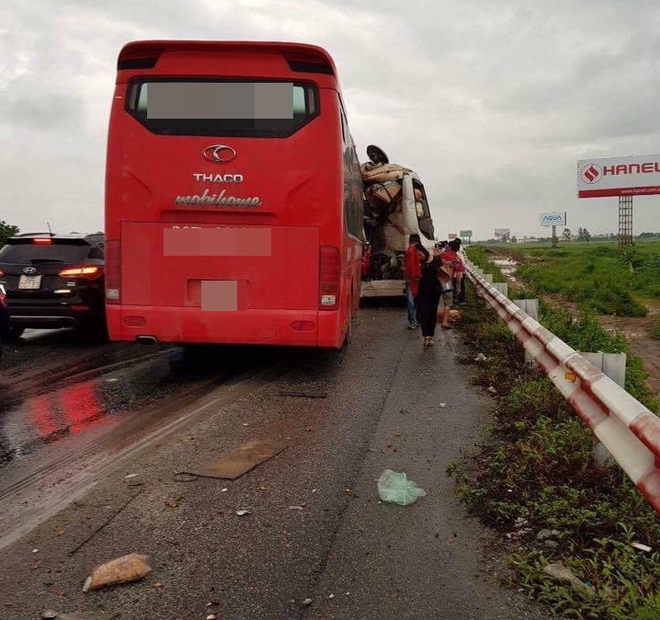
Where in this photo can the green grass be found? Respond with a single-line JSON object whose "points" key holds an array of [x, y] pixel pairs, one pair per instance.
{"points": [[584, 333], [598, 276], [556, 484]]}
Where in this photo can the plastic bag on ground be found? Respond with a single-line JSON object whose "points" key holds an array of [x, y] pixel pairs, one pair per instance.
{"points": [[396, 488]]}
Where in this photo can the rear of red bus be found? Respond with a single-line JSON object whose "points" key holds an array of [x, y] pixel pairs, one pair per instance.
{"points": [[233, 196]]}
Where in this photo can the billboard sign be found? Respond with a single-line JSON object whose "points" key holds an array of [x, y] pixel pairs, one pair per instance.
{"points": [[466, 233], [452, 236], [619, 176], [502, 233], [555, 218]]}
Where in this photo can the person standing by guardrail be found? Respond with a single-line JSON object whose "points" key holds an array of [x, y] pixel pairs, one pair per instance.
{"points": [[449, 256], [462, 276]]}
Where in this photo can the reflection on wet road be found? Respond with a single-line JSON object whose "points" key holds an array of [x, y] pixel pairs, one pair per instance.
{"points": [[72, 411], [54, 387]]}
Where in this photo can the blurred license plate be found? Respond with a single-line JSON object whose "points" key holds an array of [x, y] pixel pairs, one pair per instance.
{"points": [[29, 282]]}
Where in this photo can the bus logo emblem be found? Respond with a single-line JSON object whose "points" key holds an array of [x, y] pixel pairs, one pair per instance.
{"points": [[219, 153]]}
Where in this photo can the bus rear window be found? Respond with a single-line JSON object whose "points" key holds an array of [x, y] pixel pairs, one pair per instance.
{"points": [[222, 108]]}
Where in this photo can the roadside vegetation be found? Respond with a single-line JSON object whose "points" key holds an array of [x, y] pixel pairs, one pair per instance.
{"points": [[598, 276], [7, 230], [558, 504], [655, 329]]}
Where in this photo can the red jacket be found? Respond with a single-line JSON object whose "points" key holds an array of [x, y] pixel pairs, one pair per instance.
{"points": [[412, 267], [449, 256]]}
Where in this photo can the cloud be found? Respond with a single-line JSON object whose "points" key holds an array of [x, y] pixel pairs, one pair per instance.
{"points": [[491, 103]]}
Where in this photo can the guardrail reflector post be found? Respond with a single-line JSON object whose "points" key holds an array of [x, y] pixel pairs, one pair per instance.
{"points": [[531, 307], [502, 287], [611, 364]]}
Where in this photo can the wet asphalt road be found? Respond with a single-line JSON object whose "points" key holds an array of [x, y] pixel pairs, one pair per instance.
{"points": [[353, 414]]}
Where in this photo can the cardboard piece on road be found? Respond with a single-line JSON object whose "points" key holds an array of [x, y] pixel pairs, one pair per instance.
{"points": [[241, 460]]}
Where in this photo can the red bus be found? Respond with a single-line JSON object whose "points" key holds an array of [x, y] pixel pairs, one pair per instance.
{"points": [[233, 207]]}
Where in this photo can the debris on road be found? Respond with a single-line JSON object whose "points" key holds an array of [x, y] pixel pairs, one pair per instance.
{"points": [[90, 615], [302, 507], [491, 390], [111, 380], [480, 358], [121, 570], [561, 573], [241, 460], [443, 405], [395, 487], [307, 602], [131, 475], [182, 476], [243, 513], [211, 617], [303, 394], [49, 614]]}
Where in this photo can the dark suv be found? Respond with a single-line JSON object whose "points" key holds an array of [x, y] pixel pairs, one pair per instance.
{"points": [[54, 280]]}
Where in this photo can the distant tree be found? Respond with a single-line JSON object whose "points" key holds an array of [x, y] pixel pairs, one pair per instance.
{"points": [[514, 239], [567, 234], [584, 234], [7, 230]]}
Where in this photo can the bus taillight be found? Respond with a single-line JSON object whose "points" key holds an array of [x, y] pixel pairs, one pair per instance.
{"points": [[112, 271], [329, 278]]}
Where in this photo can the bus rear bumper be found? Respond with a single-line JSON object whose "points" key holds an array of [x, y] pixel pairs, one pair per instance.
{"points": [[383, 288], [309, 328]]}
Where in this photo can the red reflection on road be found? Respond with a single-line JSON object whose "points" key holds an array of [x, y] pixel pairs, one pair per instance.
{"points": [[67, 411]]}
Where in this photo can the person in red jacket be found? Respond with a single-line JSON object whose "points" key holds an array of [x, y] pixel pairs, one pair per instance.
{"points": [[449, 256], [412, 270]]}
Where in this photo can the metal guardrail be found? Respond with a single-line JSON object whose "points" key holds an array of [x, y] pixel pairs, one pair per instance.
{"points": [[629, 431]]}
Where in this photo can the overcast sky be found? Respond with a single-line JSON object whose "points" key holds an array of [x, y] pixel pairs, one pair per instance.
{"points": [[492, 102]]}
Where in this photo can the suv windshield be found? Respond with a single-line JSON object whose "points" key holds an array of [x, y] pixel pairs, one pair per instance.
{"points": [[22, 253]]}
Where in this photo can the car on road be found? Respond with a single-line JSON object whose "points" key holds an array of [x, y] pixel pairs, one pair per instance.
{"points": [[54, 280]]}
